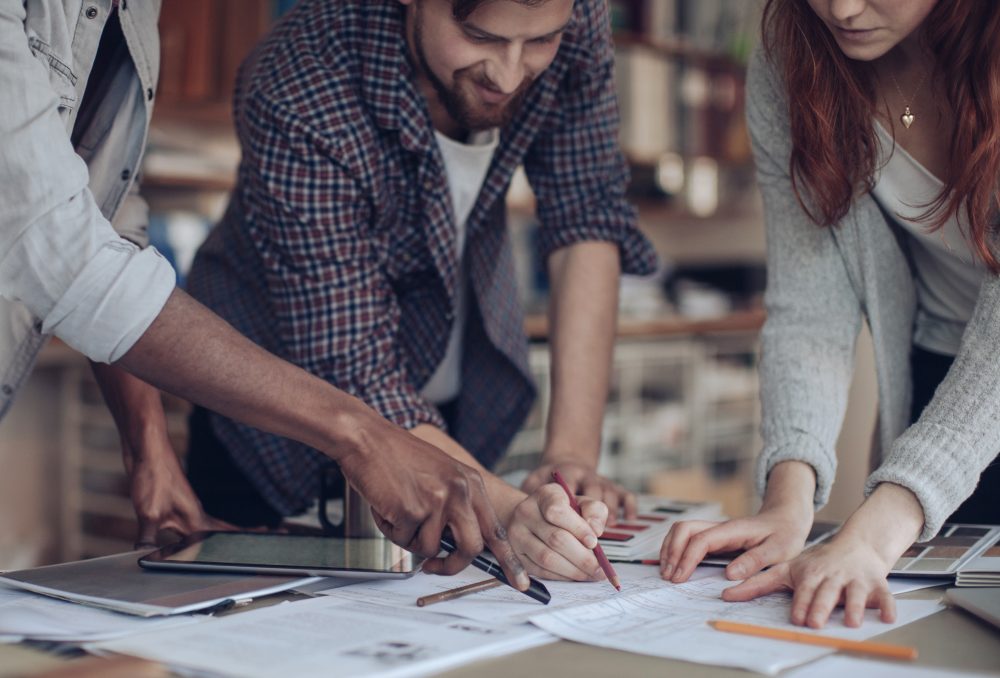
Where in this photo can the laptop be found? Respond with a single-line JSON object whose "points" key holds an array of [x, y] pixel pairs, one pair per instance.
{"points": [[982, 602]]}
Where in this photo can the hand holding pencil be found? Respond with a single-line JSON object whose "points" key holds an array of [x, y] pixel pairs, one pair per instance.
{"points": [[598, 551]]}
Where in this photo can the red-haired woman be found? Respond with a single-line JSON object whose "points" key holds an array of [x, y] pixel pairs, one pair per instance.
{"points": [[876, 130]]}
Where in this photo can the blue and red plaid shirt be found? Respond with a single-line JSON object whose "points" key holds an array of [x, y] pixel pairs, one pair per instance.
{"points": [[338, 249]]}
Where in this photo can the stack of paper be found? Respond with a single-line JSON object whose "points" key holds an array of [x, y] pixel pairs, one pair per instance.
{"points": [[641, 538], [25, 615], [984, 569]]}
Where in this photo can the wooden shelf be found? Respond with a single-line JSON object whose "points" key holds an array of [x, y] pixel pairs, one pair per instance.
{"points": [[187, 183], [537, 325]]}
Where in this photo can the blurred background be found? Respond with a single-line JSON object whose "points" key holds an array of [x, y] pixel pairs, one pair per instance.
{"points": [[683, 413]]}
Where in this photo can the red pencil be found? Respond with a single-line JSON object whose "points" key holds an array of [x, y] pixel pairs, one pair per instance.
{"points": [[602, 559]]}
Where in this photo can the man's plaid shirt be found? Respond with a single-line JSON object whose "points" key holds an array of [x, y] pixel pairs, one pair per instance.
{"points": [[338, 249]]}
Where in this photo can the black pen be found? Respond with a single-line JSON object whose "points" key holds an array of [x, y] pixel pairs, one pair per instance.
{"points": [[536, 589]]}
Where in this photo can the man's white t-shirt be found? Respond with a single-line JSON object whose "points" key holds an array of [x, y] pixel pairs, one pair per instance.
{"points": [[466, 165], [948, 273]]}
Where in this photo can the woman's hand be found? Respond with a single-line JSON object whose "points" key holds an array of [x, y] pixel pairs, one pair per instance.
{"points": [[553, 541], [778, 532], [772, 536], [846, 571], [850, 569], [585, 481]]}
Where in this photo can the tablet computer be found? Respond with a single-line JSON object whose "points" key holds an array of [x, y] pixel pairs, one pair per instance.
{"points": [[268, 553]]}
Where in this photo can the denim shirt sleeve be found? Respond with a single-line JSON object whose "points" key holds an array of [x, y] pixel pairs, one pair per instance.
{"points": [[59, 256]]}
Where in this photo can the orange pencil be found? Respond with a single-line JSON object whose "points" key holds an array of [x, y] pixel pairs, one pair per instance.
{"points": [[602, 559], [856, 646]]}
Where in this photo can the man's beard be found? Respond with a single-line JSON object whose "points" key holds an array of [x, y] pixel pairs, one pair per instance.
{"points": [[461, 100]]}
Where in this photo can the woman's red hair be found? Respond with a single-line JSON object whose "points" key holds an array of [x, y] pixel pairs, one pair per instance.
{"points": [[832, 104]]}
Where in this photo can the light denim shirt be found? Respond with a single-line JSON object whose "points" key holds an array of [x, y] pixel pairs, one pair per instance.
{"points": [[64, 269]]}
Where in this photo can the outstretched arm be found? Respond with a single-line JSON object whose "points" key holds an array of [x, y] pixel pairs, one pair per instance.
{"points": [[414, 488]]}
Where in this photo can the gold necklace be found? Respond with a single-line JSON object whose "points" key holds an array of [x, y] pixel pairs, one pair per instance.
{"points": [[907, 117]]}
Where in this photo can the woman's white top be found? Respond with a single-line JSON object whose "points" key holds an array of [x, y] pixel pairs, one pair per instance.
{"points": [[948, 274]]}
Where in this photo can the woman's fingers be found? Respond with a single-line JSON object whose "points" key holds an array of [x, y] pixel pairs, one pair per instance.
{"points": [[723, 537], [775, 579], [856, 597], [747, 564], [886, 603], [676, 542], [824, 600]]}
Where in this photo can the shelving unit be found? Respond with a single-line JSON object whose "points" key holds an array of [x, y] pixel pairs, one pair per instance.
{"points": [[683, 396]]}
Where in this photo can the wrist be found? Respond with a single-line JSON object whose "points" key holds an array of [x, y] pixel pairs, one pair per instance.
{"points": [[791, 487], [577, 454], [351, 433], [143, 439], [888, 522], [503, 496]]}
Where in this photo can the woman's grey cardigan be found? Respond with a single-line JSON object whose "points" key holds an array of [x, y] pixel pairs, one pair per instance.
{"points": [[822, 282]]}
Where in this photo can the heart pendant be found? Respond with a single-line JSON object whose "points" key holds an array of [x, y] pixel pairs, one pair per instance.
{"points": [[906, 118]]}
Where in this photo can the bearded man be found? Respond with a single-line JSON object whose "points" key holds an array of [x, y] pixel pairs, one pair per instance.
{"points": [[366, 242]]}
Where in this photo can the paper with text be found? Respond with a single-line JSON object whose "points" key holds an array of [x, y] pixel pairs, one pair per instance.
{"points": [[325, 636], [671, 621], [502, 604]]}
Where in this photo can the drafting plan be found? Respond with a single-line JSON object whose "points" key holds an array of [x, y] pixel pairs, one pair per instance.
{"points": [[314, 637], [671, 621], [502, 604]]}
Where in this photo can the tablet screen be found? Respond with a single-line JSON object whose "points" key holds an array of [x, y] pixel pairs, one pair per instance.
{"points": [[283, 553]]}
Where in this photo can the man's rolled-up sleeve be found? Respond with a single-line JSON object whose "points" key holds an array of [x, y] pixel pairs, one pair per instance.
{"points": [[576, 168], [59, 256]]}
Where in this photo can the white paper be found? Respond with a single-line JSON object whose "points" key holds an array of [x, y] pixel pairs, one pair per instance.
{"points": [[671, 621], [29, 615], [898, 585], [503, 604], [325, 636], [838, 666]]}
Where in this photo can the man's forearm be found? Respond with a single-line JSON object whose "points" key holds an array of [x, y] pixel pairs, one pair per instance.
{"points": [[135, 405], [191, 352], [583, 317]]}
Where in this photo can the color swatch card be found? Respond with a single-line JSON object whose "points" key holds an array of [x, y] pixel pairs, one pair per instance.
{"points": [[641, 538], [955, 548]]}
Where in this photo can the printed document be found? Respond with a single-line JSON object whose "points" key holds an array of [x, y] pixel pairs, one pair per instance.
{"points": [[672, 621], [503, 604], [323, 636]]}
